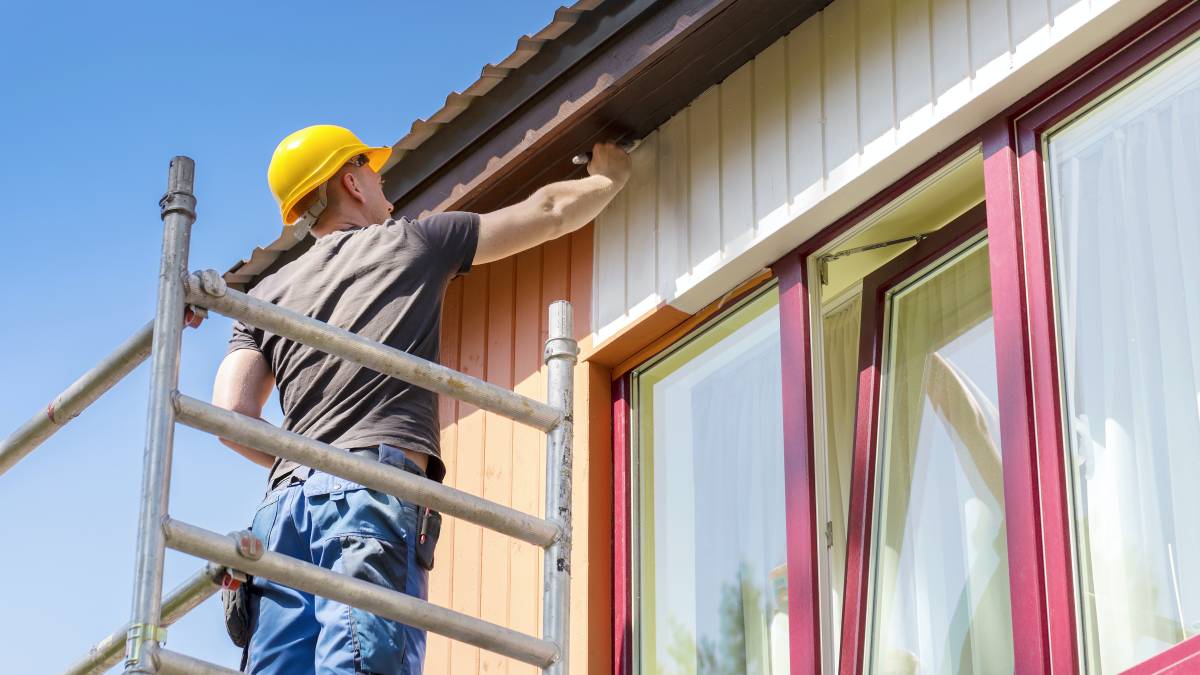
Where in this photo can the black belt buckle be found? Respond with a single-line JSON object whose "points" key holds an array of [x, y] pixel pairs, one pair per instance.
{"points": [[429, 528]]}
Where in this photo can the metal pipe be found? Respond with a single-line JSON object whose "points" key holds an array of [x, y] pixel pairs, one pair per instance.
{"points": [[186, 597], [560, 354], [178, 209], [361, 594], [174, 663], [369, 472], [76, 398], [208, 290]]}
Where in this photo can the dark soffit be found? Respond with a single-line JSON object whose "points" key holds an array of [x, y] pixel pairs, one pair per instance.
{"points": [[508, 145], [618, 69]]}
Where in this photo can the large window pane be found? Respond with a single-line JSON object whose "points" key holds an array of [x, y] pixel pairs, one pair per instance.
{"points": [[940, 600], [1125, 211], [712, 584]]}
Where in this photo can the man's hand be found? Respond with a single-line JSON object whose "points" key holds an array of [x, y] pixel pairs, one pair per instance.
{"points": [[554, 210], [192, 318], [610, 161]]}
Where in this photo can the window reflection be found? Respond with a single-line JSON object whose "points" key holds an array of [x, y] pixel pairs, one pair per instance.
{"points": [[940, 559], [1125, 211], [712, 573]]}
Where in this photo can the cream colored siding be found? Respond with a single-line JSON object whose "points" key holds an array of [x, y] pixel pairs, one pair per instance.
{"points": [[843, 105]]}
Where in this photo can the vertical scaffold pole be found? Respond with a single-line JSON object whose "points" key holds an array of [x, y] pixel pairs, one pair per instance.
{"points": [[560, 356], [178, 213]]}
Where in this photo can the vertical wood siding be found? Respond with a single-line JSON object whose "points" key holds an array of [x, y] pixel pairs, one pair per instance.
{"points": [[493, 326], [804, 120]]}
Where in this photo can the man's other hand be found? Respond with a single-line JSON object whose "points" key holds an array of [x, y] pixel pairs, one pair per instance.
{"points": [[193, 318]]}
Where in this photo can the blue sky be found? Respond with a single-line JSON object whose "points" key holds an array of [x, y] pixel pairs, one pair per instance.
{"points": [[94, 100]]}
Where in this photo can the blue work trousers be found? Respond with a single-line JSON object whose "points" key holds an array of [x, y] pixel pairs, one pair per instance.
{"points": [[347, 528]]}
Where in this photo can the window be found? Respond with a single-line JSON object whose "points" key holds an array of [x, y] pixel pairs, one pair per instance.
{"points": [[1123, 182], [939, 592], [927, 576], [711, 584], [839, 271]]}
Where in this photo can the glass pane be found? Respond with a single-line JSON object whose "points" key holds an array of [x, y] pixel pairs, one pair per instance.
{"points": [[839, 345], [1125, 210], [940, 601], [712, 562]]}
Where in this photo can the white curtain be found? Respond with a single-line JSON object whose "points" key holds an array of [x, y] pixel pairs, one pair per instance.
{"points": [[839, 329], [1125, 198], [718, 576], [941, 592]]}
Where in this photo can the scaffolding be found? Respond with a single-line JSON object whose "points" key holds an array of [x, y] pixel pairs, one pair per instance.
{"points": [[160, 341]]}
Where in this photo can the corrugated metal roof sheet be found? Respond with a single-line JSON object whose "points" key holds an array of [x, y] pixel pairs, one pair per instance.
{"points": [[492, 75], [421, 130]]}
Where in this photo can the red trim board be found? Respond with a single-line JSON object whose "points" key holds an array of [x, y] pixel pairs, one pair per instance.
{"points": [[622, 563], [804, 621]]}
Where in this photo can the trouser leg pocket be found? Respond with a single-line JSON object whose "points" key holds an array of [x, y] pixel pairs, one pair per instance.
{"points": [[378, 644]]}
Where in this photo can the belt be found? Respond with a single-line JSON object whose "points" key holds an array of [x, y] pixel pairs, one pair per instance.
{"points": [[302, 473], [408, 465]]}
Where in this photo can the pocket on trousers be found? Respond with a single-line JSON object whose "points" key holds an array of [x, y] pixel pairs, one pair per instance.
{"points": [[264, 517], [380, 643], [376, 560], [321, 484]]}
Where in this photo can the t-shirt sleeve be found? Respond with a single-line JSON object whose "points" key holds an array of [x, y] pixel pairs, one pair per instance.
{"points": [[452, 237], [243, 338]]}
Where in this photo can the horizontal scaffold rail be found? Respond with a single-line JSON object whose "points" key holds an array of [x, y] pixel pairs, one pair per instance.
{"points": [[207, 289], [173, 663], [263, 436], [186, 597], [362, 594], [76, 398]]}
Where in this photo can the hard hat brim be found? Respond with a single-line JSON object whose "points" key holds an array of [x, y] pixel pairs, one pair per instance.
{"points": [[376, 158]]}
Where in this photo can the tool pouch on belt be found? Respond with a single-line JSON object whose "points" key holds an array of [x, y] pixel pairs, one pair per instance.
{"points": [[235, 590], [235, 597], [429, 528]]}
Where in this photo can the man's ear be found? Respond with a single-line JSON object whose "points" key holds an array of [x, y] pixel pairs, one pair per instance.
{"points": [[352, 188]]}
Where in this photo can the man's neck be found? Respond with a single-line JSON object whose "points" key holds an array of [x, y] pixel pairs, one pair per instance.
{"points": [[336, 222]]}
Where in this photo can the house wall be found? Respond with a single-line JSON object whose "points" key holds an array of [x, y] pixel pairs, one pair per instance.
{"points": [[493, 327], [829, 115], [835, 111]]}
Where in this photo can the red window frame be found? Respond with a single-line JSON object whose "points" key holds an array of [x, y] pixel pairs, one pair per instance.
{"points": [[1035, 488], [1182, 659], [866, 428], [1035, 476], [803, 546], [622, 562]]}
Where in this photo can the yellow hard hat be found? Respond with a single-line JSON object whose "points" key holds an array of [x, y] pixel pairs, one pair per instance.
{"points": [[307, 158]]}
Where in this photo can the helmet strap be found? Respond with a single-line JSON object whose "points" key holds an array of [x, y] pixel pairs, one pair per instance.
{"points": [[310, 217]]}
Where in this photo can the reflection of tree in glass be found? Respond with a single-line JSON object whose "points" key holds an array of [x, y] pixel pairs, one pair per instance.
{"points": [[743, 608]]}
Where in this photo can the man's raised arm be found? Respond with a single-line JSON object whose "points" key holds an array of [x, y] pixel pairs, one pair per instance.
{"points": [[554, 210]]}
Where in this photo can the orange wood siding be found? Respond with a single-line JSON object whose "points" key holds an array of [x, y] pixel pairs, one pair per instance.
{"points": [[494, 326]]}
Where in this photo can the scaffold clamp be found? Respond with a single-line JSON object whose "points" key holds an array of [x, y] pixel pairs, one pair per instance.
{"points": [[136, 638]]}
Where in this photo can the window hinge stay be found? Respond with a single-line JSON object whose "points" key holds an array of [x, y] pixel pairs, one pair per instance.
{"points": [[824, 260]]}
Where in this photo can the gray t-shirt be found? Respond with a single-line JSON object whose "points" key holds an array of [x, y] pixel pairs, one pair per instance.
{"points": [[384, 282]]}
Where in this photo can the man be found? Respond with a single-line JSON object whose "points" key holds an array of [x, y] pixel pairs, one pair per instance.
{"points": [[383, 279]]}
